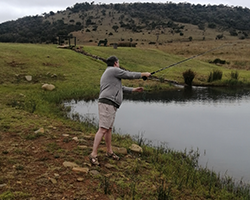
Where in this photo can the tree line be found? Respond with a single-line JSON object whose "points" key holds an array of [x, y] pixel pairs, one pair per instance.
{"points": [[35, 30]]}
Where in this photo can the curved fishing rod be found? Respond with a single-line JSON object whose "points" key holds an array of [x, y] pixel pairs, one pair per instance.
{"points": [[145, 78]]}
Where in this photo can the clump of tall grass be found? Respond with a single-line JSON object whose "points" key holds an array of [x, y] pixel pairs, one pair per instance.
{"points": [[164, 193], [215, 75], [139, 139], [188, 76], [106, 185], [235, 75], [234, 79]]}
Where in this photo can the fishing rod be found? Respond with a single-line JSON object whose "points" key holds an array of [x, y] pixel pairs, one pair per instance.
{"points": [[182, 61]]}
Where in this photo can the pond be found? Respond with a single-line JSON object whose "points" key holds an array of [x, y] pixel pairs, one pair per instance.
{"points": [[214, 120]]}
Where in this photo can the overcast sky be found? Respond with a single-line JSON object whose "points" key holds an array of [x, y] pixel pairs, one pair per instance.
{"points": [[14, 9]]}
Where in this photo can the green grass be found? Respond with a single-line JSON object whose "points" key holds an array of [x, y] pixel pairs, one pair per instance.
{"points": [[151, 60], [76, 76], [13, 195]]}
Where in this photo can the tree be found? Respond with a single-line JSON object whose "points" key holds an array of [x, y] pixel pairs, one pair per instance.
{"points": [[103, 12], [115, 27], [212, 25]]}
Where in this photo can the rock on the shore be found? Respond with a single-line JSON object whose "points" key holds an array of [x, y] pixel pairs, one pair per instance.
{"points": [[136, 148], [28, 78], [49, 87], [70, 164], [81, 169]]}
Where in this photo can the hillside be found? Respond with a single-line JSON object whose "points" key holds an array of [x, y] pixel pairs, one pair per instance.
{"points": [[142, 23]]}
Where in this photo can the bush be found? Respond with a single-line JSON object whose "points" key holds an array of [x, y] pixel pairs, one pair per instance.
{"points": [[212, 25], [126, 44], [215, 75], [188, 77], [218, 61], [220, 36], [233, 32]]}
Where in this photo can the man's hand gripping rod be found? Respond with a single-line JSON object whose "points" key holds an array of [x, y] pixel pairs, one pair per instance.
{"points": [[145, 78]]}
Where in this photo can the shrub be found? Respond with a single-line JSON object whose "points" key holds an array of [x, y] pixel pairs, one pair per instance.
{"points": [[212, 25], [126, 44], [220, 36], [78, 23], [215, 75], [233, 32], [188, 77], [218, 61]]}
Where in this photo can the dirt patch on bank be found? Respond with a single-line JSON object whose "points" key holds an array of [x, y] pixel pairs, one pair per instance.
{"points": [[32, 167]]}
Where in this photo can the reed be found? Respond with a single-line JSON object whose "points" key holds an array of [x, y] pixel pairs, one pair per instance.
{"points": [[215, 75], [164, 192], [235, 75]]}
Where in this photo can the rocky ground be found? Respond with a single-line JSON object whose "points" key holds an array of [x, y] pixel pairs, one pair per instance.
{"points": [[52, 163]]}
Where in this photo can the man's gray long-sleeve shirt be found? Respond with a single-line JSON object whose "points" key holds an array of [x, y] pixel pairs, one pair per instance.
{"points": [[111, 86]]}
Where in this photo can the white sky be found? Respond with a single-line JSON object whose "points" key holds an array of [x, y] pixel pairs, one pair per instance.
{"points": [[14, 9]]}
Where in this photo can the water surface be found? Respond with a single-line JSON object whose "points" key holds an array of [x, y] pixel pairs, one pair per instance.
{"points": [[215, 120]]}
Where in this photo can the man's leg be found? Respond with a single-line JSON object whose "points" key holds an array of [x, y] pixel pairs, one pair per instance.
{"points": [[110, 153], [98, 138], [108, 137]]}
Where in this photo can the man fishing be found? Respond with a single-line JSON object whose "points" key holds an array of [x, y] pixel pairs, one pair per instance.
{"points": [[110, 99]]}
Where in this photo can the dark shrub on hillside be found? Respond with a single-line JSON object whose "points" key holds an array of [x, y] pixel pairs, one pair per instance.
{"points": [[218, 61], [188, 77], [126, 44]]}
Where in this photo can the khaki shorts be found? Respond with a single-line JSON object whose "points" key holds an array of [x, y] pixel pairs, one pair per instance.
{"points": [[106, 115]]}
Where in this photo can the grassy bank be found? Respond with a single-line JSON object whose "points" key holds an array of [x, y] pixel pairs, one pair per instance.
{"points": [[36, 138], [230, 57]]}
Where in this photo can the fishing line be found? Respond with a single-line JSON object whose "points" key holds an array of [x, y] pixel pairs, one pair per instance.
{"points": [[182, 61]]}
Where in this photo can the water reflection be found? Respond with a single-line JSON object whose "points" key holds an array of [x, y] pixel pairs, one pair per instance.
{"points": [[192, 94]]}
